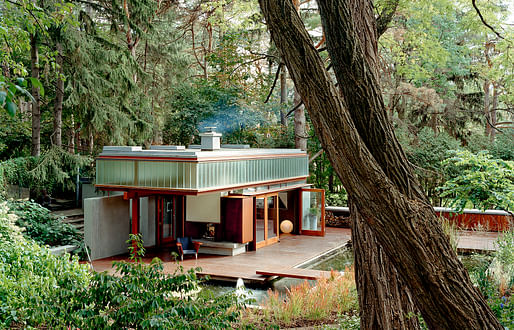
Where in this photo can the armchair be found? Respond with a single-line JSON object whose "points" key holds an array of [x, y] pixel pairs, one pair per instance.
{"points": [[186, 245]]}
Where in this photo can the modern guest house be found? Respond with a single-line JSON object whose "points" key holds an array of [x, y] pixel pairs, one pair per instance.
{"points": [[231, 197]]}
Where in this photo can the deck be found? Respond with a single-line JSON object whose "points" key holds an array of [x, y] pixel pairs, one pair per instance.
{"points": [[292, 250], [281, 259]]}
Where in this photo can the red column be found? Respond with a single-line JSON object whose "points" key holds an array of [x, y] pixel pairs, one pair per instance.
{"points": [[135, 218]]}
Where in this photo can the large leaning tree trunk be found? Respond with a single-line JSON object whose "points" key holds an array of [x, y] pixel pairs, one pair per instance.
{"points": [[384, 298], [404, 225]]}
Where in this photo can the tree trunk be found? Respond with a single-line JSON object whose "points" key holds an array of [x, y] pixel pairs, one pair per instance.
{"points": [[71, 136], [36, 112], [384, 302], [300, 124], [59, 95], [405, 225], [487, 114], [283, 96], [492, 112]]}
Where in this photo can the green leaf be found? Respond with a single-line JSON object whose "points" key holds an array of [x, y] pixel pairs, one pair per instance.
{"points": [[26, 93], [37, 84], [11, 108], [3, 95], [21, 82]]}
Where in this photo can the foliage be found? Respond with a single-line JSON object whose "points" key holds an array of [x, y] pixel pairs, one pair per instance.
{"points": [[54, 169], [496, 279], [330, 297], [503, 146], [478, 179], [194, 107], [42, 227], [40, 290], [337, 199], [36, 288]]}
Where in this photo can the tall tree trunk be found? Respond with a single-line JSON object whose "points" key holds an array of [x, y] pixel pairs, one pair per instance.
{"points": [[283, 96], [487, 114], [36, 112], [300, 123], [405, 225], [59, 95], [492, 112], [71, 136]]}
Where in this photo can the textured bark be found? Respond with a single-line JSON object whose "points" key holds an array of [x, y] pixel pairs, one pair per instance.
{"points": [[59, 95], [36, 112], [385, 301], [300, 129], [283, 96], [406, 227], [487, 89], [492, 112]]}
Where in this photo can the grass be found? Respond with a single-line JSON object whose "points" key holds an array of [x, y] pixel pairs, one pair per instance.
{"points": [[326, 302]]}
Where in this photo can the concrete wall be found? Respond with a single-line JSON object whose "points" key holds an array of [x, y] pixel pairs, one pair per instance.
{"points": [[106, 225]]}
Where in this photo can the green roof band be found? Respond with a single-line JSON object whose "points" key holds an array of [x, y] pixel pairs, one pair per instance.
{"points": [[198, 175]]}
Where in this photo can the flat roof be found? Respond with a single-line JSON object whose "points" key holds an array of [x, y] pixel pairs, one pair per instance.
{"points": [[192, 170], [195, 153]]}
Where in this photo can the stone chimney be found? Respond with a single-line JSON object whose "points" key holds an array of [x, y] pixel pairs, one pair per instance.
{"points": [[210, 139]]}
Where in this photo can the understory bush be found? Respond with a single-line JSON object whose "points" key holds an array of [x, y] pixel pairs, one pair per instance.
{"points": [[40, 290], [43, 227], [495, 279], [36, 288], [53, 171], [479, 180]]}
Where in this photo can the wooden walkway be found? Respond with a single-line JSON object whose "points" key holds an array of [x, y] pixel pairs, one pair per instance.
{"points": [[292, 250], [281, 259]]}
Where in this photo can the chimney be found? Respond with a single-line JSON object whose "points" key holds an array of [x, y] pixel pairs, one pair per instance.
{"points": [[210, 139]]}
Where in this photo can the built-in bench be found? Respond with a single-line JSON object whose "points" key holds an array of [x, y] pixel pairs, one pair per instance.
{"points": [[221, 248]]}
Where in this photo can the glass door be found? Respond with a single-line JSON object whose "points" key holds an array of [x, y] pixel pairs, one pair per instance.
{"points": [[266, 220], [260, 221], [312, 212], [167, 214]]}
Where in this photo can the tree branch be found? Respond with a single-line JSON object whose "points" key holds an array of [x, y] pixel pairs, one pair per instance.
{"points": [[483, 20], [277, 74], [386, 16]]}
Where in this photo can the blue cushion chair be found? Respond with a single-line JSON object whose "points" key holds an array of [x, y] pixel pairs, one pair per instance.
{"points": [[186, 245]]}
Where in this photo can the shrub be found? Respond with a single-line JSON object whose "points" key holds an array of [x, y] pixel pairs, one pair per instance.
{"points": [[40, 290], [36, 288], [478, 179], [43, 227], [496, 279]]}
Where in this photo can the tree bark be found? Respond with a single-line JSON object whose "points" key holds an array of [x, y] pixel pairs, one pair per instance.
{"points": [[385, 301], [487, 93], [300, 129], [36, 112], [406, 227], [59, 95], [283, 96], [492, 112]]}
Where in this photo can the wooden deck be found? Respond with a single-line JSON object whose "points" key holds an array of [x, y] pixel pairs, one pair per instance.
{"points": [[281, 259], [292, 250]]}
